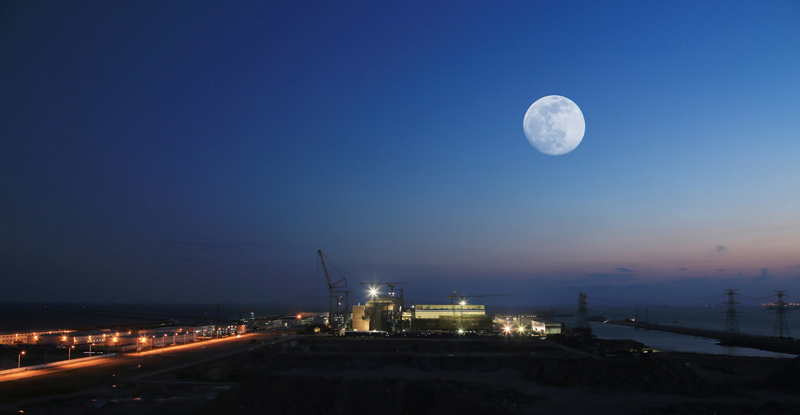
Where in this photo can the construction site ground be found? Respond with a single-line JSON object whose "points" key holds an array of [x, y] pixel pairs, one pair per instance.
{"points": [[323, 375]]}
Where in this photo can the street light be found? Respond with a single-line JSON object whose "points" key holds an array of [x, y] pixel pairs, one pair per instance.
{"points": [[19, 359], [69, 352], [463, 302]]}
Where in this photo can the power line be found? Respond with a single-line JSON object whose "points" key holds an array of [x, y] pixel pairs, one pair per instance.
{"points": [[629, 302]]}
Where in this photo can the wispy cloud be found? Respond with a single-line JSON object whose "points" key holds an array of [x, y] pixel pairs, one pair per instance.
{"points": [[623, 270], [683, 269], [794, 268], [720, 248], [608, 277], [764, 275]]}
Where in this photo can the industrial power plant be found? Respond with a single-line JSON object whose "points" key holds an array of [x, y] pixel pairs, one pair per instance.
{"points": [[389, 313]]}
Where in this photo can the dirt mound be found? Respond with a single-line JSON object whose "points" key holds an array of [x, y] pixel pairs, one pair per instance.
{"points": [[656, 375], [785, 378]]}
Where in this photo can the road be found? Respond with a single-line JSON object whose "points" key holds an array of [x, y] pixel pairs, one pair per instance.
{"points": [[122, 379], [79, 363]]}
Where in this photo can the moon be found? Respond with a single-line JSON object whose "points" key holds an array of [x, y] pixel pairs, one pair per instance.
{"points": [[554, 125]]}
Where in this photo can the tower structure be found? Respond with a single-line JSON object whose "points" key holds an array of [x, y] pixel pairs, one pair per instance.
{"points": [[780, 317], [581, 321], [337, 317], [731, 325]]}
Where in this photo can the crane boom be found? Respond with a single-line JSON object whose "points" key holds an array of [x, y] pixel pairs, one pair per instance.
{"points": [[384, 283], [325, 271], [373, 286], [336, 318], [463, 297]]}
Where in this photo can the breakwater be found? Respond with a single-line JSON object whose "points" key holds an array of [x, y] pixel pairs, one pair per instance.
{"points": [[771, 344]]}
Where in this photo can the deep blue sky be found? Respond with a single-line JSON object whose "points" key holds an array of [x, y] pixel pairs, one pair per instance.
{"points": [[204, 151]]}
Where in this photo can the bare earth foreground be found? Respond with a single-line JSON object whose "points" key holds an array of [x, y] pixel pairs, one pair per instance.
{"points": [[318, 375]]}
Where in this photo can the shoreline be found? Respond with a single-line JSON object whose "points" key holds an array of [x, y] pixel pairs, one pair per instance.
{"points": [[770, 344]]}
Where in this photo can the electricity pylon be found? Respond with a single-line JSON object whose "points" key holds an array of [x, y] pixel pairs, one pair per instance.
{"points": [[731, 325], [581, 321], [780, 317]]}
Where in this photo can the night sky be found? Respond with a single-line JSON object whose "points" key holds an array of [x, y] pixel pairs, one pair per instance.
{"points": [[204, 151]]}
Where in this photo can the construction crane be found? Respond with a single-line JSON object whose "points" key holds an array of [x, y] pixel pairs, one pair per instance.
{"points": [[336, 290], [373, 287], [462, 300]]}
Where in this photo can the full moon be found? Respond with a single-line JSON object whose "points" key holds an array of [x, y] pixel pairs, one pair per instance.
{"points": [[554, 125]]}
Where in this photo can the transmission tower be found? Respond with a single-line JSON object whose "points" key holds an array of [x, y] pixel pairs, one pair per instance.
{"points": [[731, 325], [580, 320], [780, 317]]}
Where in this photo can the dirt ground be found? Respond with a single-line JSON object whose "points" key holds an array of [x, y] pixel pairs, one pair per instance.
{"points": [[529, 378], [307, 375]]}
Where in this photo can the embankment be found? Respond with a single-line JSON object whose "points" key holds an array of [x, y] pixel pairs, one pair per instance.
{"points": [[771, 344]]}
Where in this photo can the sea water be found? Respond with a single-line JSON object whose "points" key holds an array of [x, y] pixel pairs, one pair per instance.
{"points": [[753, 320]]}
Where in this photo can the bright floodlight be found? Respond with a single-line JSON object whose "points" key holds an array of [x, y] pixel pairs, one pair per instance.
{"points": [[507, 329], [460, 331], [373, 292], [463, 302]]}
